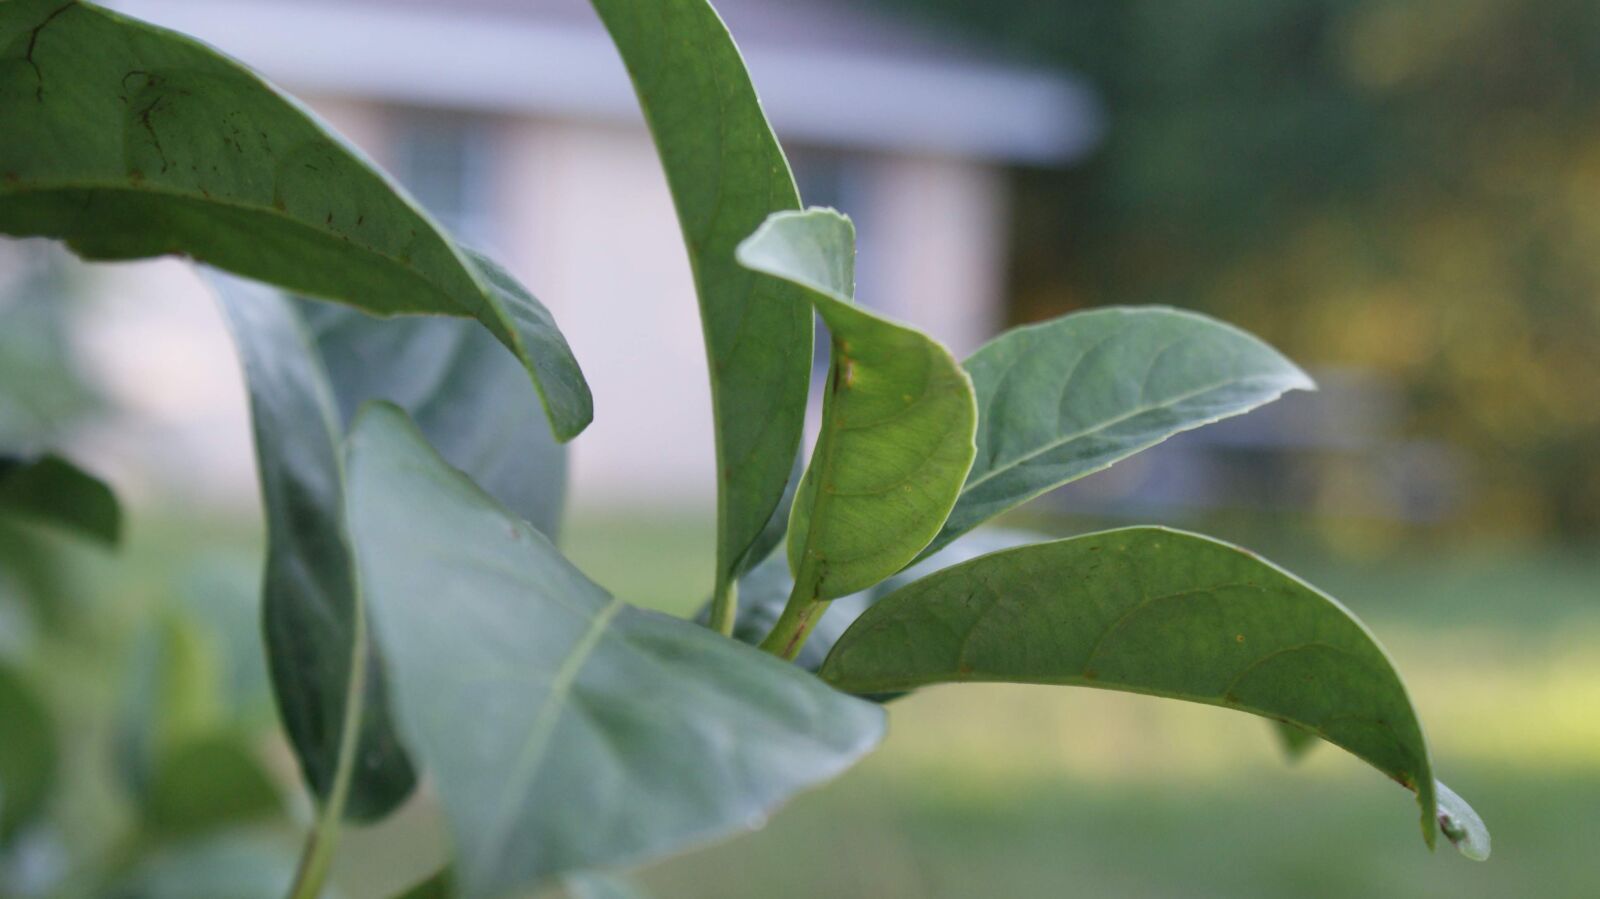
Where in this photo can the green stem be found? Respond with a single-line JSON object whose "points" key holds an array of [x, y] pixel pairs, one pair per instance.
{"points": [[794, 626], [317, 858], [724, 606]]}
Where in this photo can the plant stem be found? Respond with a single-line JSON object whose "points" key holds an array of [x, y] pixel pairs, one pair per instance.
{"points": [[316, 860], [794, 626], [724, 606]]}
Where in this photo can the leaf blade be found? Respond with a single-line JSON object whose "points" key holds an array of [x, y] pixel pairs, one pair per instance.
{"points": [[727, 173], [127, 141], [1069, 397], [52, 490], [601, 735], [1153, 611], [897, 424]]}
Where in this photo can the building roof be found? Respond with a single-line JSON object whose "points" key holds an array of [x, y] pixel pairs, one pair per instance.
{"points": [[829, 73]]}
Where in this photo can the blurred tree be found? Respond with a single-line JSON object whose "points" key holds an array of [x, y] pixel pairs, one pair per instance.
{"points": [[1401, 185]]}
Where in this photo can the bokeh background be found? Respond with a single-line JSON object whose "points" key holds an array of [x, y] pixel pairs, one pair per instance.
{"points": [[1400, 195]]}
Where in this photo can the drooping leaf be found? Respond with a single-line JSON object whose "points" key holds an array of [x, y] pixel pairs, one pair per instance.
{"points": [[28, 752], [565, 730], [1069, 397], [468, 396], [310, 612], [1155, 611], [128, 141], [897, 422], [207, 784], [51, 490], [727, 174]]}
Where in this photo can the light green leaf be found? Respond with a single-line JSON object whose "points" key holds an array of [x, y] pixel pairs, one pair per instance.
{"points": [[28, 752], [590, 885], [207, 784], [129, 141], [897, 421], [1069, 397], [727, 174], [467, 395], [564, 729], [309, 593], [1155, 611], [51, 490]]}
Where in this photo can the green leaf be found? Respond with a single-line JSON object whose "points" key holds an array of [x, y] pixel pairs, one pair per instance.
{"points": [[51, 490], [207, 784], [439, 886], [42, 392], [28, 752], [564, 729], [1155, 611], [128, 141], [1069, 397], [309, 592], [170, 696], [1461, 824], [468, 396], [1295, 741], [727, 174], [897, 422], [590, 885], [223, 867]]}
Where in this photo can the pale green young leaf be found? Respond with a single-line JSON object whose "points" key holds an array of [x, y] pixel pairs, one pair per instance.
{"points": [[727, 174], [127, 141], [1069, 397], [1154, 611], [897, 422], [563, 729]]}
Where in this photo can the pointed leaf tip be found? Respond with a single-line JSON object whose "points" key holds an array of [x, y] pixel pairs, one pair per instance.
{"points": [[1461, 825]]}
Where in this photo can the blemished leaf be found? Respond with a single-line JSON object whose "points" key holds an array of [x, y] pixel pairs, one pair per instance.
{"points": [[898, 419], [230, 866], [1155, 611], [469, 397], [727, 174], [1069, 397], [207, 784], [565, 730], [128, 141], [309, 592], [51, 490], [28, 752]]}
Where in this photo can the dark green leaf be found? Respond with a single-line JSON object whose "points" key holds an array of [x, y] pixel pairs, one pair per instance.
{"points": [[897, 422], [207, 784], [564, 729], [28, 752], [129, 141], [1069, 397], [309, 599], [51, 490], [727, 174], [1155, 611]]}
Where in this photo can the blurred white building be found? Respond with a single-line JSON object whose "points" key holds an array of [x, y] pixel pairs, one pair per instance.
{"points": [[514, 121]]}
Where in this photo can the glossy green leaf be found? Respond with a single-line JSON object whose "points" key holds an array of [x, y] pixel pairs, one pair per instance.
{"points": [[207, 784], [897, 422], [51, 490], [1069, 397], [310, 609], [1155, 611], [727, 174], [28, 752], [128, 141], [565, 730]]}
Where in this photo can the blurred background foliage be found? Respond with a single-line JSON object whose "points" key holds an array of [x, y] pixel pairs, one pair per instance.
{"points": [[1402, 186]]}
